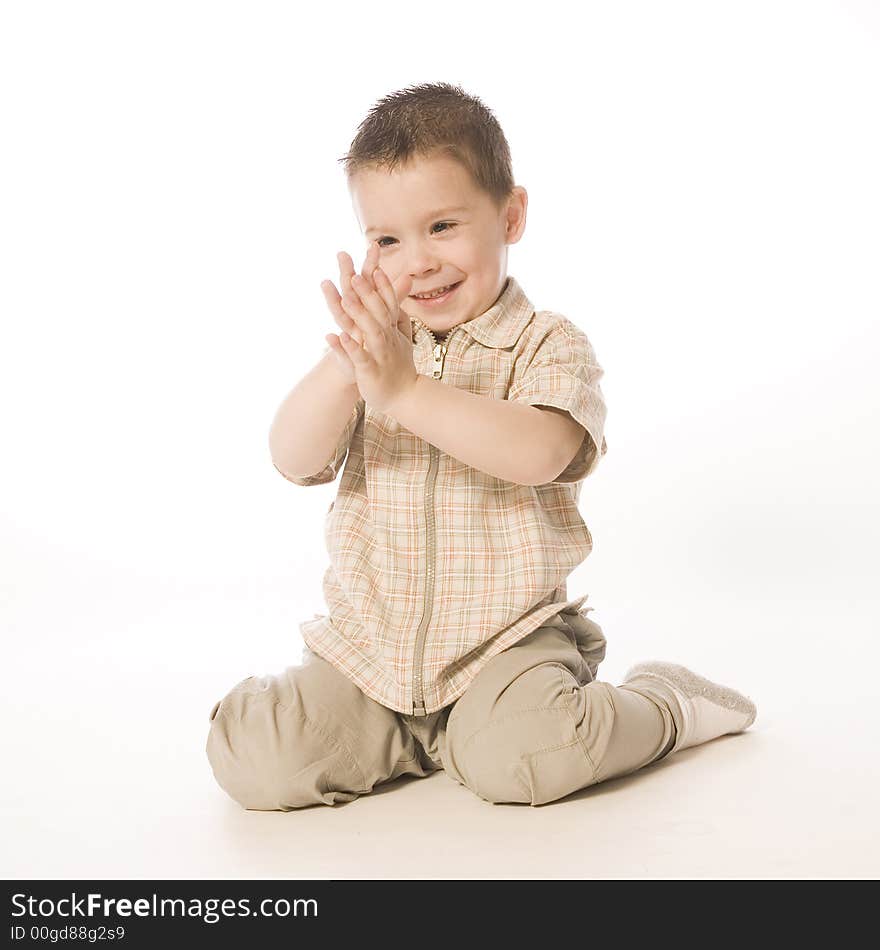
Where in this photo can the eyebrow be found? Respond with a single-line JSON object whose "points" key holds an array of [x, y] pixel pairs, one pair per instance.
{"points": [[434, 214]]}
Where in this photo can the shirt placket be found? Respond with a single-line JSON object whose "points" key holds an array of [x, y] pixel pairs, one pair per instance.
{"points": [[438, 351]]}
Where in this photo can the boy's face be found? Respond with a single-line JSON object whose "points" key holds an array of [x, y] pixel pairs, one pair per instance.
{"points": [[433, 222]]}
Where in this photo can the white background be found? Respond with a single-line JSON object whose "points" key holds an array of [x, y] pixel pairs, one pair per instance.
{"points": [[704, 203]]}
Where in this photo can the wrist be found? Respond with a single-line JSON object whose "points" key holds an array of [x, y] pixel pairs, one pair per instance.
{"points": [[404, 399], [338, 375]]}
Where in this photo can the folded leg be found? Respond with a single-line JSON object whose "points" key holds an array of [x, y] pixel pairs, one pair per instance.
{"points": [[307, 736], [532, 727]]}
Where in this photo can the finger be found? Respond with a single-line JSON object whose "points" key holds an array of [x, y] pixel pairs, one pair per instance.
{"points": [[371, 333], [386, 292], [334, 304], [346, 271], [399, 317], [372, 329], [370, 261], [373, 301], [355, 353], [339, 351], [402, 286]]}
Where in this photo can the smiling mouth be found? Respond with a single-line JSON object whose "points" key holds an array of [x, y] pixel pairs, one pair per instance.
{"points": [[440, 294]]}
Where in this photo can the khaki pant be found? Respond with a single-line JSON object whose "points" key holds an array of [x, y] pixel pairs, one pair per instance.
{"points": [[532, 727]]}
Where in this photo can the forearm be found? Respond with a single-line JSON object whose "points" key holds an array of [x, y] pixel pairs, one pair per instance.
{"points": [[310, 420], [509, 440]]}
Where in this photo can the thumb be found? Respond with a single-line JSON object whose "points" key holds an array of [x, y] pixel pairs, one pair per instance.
{"points": [[404, 325], [402, 287]]}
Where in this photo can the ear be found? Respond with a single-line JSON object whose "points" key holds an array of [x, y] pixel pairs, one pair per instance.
{"points": [[515, 214]]}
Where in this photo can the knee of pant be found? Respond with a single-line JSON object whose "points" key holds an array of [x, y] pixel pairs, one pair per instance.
{"points": [[533, 758], [544, 685], [495, 781], [269, 756], [525, 752]]}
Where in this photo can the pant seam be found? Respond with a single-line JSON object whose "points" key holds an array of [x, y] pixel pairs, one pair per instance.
{"points": [[503, 719], [531, 754], [578, 737], [334, 743]]}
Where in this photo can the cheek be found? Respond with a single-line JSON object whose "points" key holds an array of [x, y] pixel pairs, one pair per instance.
{"points": [[469, 257]]}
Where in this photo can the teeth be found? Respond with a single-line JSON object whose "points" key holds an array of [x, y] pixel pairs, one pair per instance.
{"points": [[436, 293]]}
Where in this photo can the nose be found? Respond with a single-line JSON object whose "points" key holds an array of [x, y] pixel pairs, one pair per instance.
{"points": [[422, 262]]}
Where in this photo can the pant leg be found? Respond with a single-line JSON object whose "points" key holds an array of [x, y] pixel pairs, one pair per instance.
{"points": [[306, 736], [533, 726]]}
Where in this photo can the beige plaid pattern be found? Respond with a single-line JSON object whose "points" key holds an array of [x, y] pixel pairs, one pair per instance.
{"points": [[413, 529]]}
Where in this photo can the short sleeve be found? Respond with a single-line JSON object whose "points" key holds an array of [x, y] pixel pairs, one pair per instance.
{"points": [[332, 468], [562, 371]]}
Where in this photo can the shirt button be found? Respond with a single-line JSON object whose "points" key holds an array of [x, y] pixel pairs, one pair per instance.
{"points": [[393, 426]]}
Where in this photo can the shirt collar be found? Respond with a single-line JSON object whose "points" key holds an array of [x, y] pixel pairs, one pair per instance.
{"points": [[502, 324]]}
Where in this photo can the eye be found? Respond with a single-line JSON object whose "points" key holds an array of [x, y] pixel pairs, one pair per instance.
{"points": [[448, 225]]}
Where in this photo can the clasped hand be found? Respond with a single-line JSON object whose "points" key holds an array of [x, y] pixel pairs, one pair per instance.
{"points": [[374, 348]]}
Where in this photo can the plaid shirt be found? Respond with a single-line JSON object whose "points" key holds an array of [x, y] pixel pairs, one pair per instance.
{"points": [[436, 567]]}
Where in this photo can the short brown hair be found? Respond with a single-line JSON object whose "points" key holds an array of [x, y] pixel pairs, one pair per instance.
{"points": [[423, 119]]}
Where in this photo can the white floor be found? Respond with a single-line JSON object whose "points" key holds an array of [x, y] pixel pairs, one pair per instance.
{"points": [[160, 296], [106, 776]]}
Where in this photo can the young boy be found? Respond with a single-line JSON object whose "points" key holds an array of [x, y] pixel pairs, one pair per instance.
{"points": [[469, 421]]}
